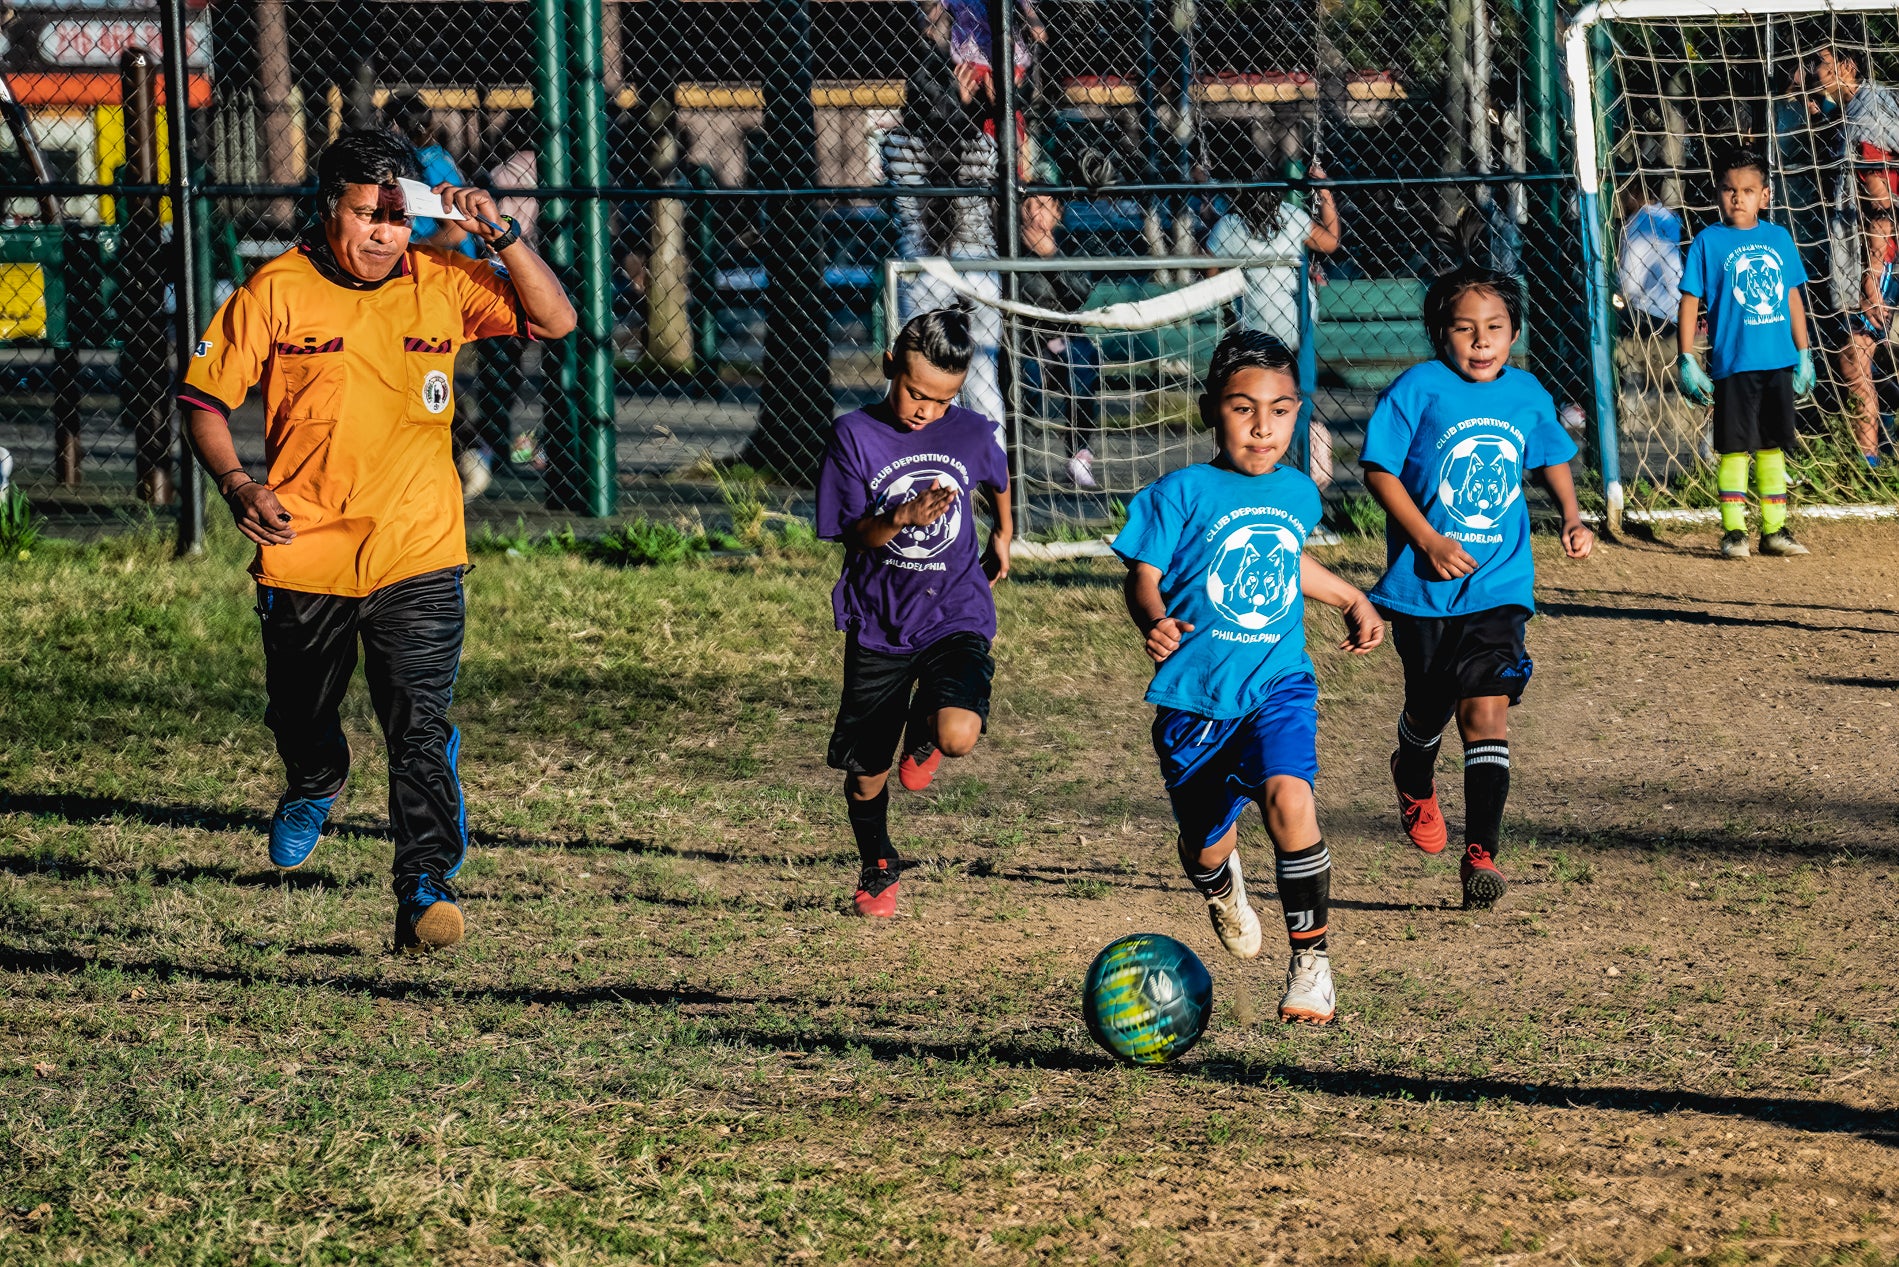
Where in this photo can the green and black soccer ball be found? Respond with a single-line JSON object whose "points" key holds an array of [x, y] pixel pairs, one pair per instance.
{"points": [[1147, 998]]}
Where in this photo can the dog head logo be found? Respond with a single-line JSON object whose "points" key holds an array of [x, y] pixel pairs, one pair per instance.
{"points": [[1480, 478], [1254, 579], [1758, 285]]}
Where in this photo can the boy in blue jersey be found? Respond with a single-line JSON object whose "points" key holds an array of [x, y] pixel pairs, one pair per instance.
{"points": [[1216, 580], [1749, 275], [1446, 452]]}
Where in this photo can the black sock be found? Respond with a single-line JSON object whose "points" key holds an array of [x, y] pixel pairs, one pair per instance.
{"points": [[1305, 895], [1417, 760], [1215, 883], [1486, 788], [870, 823]]}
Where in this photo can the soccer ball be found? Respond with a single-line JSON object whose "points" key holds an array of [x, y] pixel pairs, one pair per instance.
{"points": [[1147, 998]]}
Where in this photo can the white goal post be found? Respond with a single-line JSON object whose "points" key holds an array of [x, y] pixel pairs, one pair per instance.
{"points": [[1584, 43]]}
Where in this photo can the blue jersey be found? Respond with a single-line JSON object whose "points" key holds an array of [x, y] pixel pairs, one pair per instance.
{"points": [[1461, 450], [1228, 547], [1743, 276]]}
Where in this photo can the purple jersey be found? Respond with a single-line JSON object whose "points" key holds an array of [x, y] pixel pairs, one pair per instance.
{"points": [[928, 582]]}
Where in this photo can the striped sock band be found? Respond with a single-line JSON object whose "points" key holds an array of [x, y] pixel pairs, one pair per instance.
{"points": [[1305, 894], [1417, 760], [1486, 788]]}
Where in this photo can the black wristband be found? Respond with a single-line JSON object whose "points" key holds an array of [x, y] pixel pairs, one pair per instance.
{"points": [[507, 239], [236, 470]]}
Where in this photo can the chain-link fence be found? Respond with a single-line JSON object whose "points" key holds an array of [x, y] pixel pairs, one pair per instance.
{"points": [[1804, 92], [722, 185]]}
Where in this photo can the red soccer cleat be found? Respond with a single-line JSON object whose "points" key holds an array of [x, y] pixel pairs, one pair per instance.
{"points": [[1483, 883], [916, 775], [876, 896], [1423, 820]]}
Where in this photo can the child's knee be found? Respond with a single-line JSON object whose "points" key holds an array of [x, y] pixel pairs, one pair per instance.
{"points": [[1484, 717], [1289, 802], [865, 787], [957, 730]]}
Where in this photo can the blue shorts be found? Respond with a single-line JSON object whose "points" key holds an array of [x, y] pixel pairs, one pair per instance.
{"points": [[1212, 768]]}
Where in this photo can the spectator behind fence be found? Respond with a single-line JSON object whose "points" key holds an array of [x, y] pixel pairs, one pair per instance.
{"points": [[1264, 222], [1870, 151], [410, 118], [1648, 275], [947, 137], [356, 514], [1061, 370], [500, 376]]}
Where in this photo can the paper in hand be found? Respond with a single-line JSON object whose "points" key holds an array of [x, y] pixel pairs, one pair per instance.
{"points": [[419, 200]]}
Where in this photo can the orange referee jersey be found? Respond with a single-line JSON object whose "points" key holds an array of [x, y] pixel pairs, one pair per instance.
{"points": [[359, 399]]}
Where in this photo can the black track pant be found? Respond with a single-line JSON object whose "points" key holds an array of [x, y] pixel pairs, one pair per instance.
{"points": [[411, 635]]}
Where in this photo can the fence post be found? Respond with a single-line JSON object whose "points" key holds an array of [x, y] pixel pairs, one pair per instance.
{"points": [[587, 109], [144, 355], [558, 367], [1595, 227], [1008, 242], [185, 211]]}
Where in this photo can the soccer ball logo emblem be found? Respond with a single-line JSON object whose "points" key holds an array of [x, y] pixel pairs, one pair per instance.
{"points": [[1758, 285], [1255, 576], [1480, 479], [928, 540]]}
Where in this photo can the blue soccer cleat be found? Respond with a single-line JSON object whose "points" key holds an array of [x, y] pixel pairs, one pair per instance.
{"points": [[427, 917], [297, 826]]}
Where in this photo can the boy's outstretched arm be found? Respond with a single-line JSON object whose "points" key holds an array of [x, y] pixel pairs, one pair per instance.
{"points": [[1161, 632], [1363, 629], [995, 560], [1448, 559], [1578, 541]]}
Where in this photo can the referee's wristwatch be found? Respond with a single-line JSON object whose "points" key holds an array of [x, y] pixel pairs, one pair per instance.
{"points": [[507, 239]]}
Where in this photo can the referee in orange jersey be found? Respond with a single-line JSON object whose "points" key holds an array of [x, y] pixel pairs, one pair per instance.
{"points": [[357, 515]]}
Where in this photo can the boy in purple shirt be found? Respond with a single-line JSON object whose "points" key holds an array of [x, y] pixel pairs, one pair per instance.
{"points": [[898, 489]]}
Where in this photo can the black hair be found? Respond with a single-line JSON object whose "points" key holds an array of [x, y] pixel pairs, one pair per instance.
{"points": [[1739, 158], [1441, 298], [1245, 350], [940, 336], [1261, 209], [364, 156]]}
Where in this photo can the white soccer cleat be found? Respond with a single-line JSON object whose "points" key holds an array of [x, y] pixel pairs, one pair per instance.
{"points": [[1309, 995], [1233, 919]]}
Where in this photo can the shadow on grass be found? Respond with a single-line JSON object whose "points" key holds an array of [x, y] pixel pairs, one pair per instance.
{"points": [[84, 808], [1879, 1126], [1819, 1116], [1695, 616], [71, 963]]}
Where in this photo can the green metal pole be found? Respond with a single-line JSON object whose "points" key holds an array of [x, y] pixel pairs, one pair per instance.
{"points": [[587, 115], [558, 397]]}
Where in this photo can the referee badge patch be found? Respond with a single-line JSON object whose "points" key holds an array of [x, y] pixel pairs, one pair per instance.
{"points": [[435, 391]]}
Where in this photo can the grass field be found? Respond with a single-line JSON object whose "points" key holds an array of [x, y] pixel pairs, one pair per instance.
{"points": [[667, 1041]]}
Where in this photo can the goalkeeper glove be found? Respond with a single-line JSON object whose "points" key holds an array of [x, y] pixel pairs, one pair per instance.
{"points": [[1695, 383], [1803, 373]]}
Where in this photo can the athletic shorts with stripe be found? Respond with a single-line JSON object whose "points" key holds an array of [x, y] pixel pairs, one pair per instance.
{"points": [[1214, 766]]}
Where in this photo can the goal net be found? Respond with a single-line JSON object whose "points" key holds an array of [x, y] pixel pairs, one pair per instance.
{"points": [[1660, 89], [1093, 372]]}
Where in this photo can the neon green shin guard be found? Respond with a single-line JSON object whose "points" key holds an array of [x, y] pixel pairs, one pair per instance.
{"points": [[1731, 479], [1770, 482]]}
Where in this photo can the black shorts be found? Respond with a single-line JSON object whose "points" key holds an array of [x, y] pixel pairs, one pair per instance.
{"points": [[1452, 658], [1754, 410], [952, 672]]}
